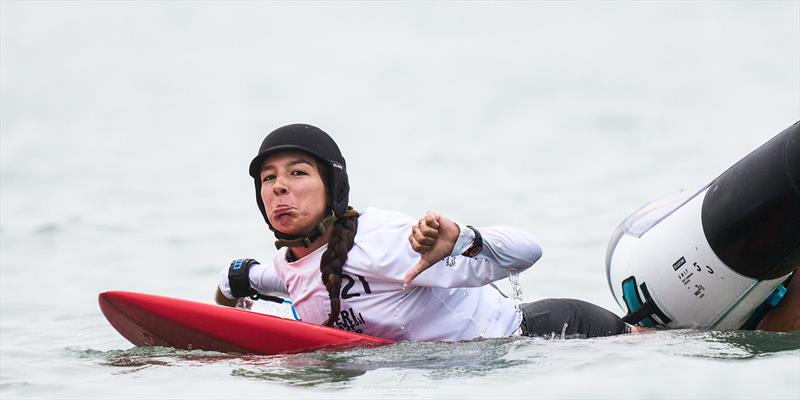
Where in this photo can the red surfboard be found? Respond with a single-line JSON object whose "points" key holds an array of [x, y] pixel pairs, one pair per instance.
{"points": [[150, 320]]}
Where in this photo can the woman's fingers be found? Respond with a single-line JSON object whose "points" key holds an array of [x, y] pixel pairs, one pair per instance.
{"points": [[425, 233], [244, 302], [417, 246], [433, 237], [431, 219], [429, 225], [425, 236], [420, 266]]}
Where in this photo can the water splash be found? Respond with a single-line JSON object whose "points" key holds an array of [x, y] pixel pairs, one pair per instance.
{"points": [[516, 289], [516, 293]]}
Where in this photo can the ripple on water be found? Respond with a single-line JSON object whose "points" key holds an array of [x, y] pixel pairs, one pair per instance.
{"points": [[441, 360], [717, 345], [138, 358], [437, 361]]}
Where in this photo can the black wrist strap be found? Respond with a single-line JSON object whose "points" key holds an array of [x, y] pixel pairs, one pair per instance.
{"points": [[239, 277], [476, 246], [239, 281]]}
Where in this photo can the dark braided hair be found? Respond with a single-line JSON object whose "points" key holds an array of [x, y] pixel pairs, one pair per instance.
{"points": [[334, 257]]}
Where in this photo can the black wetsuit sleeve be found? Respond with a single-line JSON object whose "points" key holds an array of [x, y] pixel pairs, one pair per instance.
{"points": [[569, 318]]}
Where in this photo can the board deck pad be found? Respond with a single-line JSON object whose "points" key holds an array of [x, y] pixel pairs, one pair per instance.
{"points": [[151, 320]]}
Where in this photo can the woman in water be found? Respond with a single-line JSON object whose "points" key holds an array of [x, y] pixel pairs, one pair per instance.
{"points": [[383, 273]]}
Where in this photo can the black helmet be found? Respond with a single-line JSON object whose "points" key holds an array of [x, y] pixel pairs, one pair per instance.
{"points": [[314, 141]]}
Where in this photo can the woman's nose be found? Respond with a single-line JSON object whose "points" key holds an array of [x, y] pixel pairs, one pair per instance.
{"points": [[279, 187]]}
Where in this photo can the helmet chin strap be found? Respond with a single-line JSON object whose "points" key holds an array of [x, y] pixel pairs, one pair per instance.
{"points": [[285, 240]]}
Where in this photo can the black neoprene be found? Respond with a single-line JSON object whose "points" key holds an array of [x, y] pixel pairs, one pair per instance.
{"points": [[239, 278], [574, 318]]}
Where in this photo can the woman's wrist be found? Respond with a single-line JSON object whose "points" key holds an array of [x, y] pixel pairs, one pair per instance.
{"points": [[465, 241]]}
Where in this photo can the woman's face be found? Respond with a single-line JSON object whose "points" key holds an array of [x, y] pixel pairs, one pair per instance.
{"points": [[293, 193]]}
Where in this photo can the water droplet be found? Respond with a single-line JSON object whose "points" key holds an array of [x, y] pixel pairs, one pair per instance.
{"points": [[516, 291], [402, 327]]}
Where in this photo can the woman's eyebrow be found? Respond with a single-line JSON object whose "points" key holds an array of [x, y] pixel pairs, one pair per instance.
{"points": [[299, 161], [290, 164]]}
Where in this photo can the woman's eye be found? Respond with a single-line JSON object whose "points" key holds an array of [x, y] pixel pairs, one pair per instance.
{"points": [[299, 172], [267, 178]]}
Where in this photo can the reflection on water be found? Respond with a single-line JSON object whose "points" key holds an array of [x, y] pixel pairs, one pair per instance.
{"points": [[443, 360], [329, 376], [138, 358], [329, 370], [759, 343], [723, 344]]}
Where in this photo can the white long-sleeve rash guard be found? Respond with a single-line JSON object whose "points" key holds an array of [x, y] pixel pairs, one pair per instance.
{"points": [[450, 301]]}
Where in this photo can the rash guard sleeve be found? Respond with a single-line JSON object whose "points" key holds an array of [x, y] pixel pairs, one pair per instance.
{"points": [[504, 248]]}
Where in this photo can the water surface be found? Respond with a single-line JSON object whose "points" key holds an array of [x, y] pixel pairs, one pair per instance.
{"points": [[126, 129]]}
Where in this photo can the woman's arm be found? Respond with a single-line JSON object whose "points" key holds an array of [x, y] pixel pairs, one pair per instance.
{"points": [[263, 279], [222, 300], [463, 258]]}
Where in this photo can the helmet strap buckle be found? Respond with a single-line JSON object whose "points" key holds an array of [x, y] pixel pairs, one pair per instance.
{"points": [[309, 238]]}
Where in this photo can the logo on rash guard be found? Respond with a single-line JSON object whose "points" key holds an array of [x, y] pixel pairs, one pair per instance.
{"points": [[348, 320]]}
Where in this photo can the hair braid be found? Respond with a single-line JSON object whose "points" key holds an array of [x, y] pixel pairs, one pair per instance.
{"points": [[334, 257]]}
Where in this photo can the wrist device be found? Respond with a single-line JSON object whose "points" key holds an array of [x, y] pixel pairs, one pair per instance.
{"points": [[476, 246]]}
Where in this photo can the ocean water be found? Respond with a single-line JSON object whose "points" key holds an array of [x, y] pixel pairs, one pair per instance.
{"points": [[126, 129]]}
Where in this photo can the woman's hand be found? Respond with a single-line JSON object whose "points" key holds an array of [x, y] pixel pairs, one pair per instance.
{"points": [[434, 237], [222, 300], [243, 302]]}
